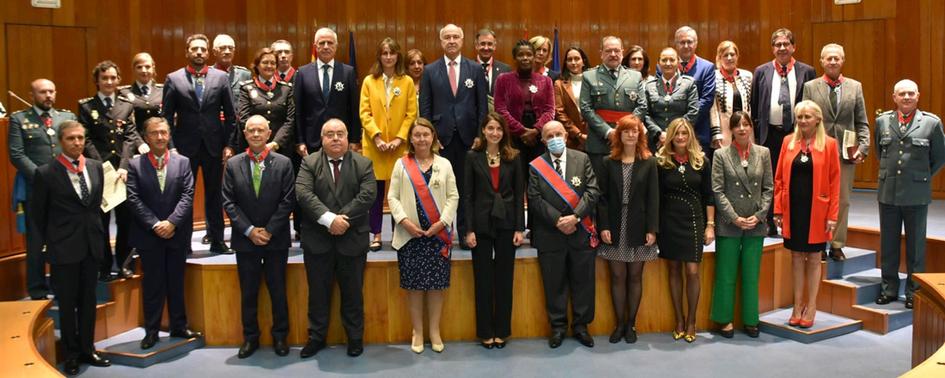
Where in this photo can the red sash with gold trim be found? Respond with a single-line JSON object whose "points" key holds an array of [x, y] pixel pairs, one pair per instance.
{"points": [[547, 173], [427, 203], [611, 116]]}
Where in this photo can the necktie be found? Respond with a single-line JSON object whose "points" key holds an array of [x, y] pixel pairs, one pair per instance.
{"points": [[257, 176], [453, 79], [108, 103], [558, 167], [325, 82], [784, 99], [161, 173], [268, 83], [613, 73], [833, 98], [198, 89], [336, 170], [47, 120], [282, 76], [83, 186], [145, 90], [488, 72]]}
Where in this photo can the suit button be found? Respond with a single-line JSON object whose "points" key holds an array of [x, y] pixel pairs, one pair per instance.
{"points": [[147, 102], [268, 102], [741, 196], [899, 172], [113, 152], [736, 184], [268, 112], [900, 162], [54, 146], [749, 196], [900, 152]]}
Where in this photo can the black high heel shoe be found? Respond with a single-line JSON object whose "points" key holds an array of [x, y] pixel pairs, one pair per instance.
{"points": [[499, 344], [487, 345], [630, 336], [729, 333], [617, 334]]}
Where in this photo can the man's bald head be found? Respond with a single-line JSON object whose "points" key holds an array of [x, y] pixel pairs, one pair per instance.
{"points": [[44, 93]]}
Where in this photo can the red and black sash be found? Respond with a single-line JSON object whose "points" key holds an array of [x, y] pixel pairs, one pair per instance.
{"points": [[69, 166], [202, 73], [268, 88], [688, 67], [154, 162], [428, 204], [257, 158], [288, 75], [783, 71], [547, 173], [833, 83]]}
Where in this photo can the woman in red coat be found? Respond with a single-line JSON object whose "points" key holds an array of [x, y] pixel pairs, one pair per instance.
{"points": [[806, 202]]}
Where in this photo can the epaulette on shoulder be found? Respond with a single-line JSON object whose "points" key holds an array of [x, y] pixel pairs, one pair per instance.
{"points": [[245, 82], [159, 85], [65, 111], [933, 115], [239, 67], [18, 112], [84, 100], [123, 87]]}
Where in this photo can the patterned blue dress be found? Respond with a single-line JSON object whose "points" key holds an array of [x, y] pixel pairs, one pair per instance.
{"points": [[422, 267]]}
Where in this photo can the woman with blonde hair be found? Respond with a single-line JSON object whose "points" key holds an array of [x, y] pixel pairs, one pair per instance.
{"points": [[732, 90], [807, 203], [542, 47], [687, 214]]}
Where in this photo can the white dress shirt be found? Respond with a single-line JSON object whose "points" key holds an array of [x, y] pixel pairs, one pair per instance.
{"points": [[459, 64], [331, 71], [328, 216], [775, 108]]}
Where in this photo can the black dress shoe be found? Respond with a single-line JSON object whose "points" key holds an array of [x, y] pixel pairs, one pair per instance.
{"points": [[126, 273], [106, 277], [751, 331], [71, 366], [555, 340], [186, 334], [728, 334], [206, 240], [355, 348], [248, 348], [500, 344], [281, 348], [836, 254], [909, 302], [149, 340], [221, 248], [486, 345], [311, 348], [885, 299], [631, 336], [584, 338], [617, 334], [96, 360]]}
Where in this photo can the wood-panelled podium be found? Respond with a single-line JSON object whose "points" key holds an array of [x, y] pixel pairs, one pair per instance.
{"points": [[928, 327]]}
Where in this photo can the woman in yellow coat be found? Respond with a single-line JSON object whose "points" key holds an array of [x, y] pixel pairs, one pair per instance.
{"points": [[388, 108]]}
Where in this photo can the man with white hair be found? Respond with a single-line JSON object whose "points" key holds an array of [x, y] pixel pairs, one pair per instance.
{"points": [[703, 72], [454, 96], [911, 148], [325, 89], [224, 49], [844, 108]]}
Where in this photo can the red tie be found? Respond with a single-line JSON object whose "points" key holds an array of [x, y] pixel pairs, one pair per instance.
{"points": [[337, 172], [452, 73]]}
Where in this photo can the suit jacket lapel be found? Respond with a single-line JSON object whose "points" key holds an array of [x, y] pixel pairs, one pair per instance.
{"points": [[569, 91], [65, 179], [245, 167], [621, 77], [915, 123], [603, 76], [735, 161], [847, 101]]}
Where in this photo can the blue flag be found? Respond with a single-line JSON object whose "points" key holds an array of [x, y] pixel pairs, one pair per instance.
{"points": [[555, 62], [352, 53]]}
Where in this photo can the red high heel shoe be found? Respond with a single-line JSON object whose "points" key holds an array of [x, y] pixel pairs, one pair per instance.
{"points": [[794, 322], [807, 323]]}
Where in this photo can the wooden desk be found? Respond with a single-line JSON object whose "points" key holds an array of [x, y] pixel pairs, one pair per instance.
{"points": [[27, 340], [928, 327]]}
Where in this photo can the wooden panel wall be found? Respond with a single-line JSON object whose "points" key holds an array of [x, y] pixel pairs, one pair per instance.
{"points": [[117, 29]]}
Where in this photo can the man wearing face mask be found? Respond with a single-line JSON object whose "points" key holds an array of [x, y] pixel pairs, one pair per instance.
{"points": [[609, 92], [562, 193]]}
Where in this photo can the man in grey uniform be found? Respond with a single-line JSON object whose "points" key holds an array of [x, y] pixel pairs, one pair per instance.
{"points": [[608, 92], [911, 150], [33, 141]]}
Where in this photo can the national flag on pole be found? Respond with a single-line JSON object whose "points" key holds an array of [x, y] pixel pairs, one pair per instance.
{"points": [[352, 53], [555, 62]]}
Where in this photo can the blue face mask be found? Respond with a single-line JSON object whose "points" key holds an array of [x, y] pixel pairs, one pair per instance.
{"points": [[555, 145]]}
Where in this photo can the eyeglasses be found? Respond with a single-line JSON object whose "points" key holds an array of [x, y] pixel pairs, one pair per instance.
{"points": [[335, 134]]}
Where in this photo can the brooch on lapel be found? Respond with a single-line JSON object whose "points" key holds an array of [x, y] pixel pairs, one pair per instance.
{"points": [[131, 97], [339, 86], [532, 88], [253, 94], [634, 96], [436, 184], [469, 83], [575, 181], [396, 91], [94, 115]]}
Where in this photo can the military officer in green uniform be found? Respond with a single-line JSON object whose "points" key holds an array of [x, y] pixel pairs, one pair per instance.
{"points": [[911, 150], [33, 141], [224, 49], [109, 132], [608, 92]]}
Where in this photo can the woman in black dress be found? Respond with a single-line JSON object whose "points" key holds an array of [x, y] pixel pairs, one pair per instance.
{"points": [[495, 187], [686, 217], [628, 220]]}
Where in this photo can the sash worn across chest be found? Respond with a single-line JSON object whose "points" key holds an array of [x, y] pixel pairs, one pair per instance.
{"points": [[547, 173], [427, 203]]}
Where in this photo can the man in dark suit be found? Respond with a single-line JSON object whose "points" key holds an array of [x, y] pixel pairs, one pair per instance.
{"points": [[194, 98], [66, 208], [32, 142], [485, 56], [703, 72], [258, 195], [911, 150], [563, 233], [453, 95], [335, 190], [326, 89], [775, 88], [842, 102], [161, 195], [110, 127]]}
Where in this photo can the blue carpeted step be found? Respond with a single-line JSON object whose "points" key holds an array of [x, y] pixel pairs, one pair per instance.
{"points": [[868, 283], [826, 326], [125, 349], [857, 260], [898, 316]]}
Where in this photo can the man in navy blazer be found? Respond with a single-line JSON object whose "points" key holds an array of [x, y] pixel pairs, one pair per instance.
{"points": [[453, 96], [195, 97], [258, 195], [161, 194], [775, 88], [66, 209], [703, 71], [325, 89]]}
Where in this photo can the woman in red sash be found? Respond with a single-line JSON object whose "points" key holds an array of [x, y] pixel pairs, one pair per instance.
{"points": [[423, 199]]}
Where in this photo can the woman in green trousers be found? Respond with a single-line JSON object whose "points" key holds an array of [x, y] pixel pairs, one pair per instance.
{"points": [[742, 180]]}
